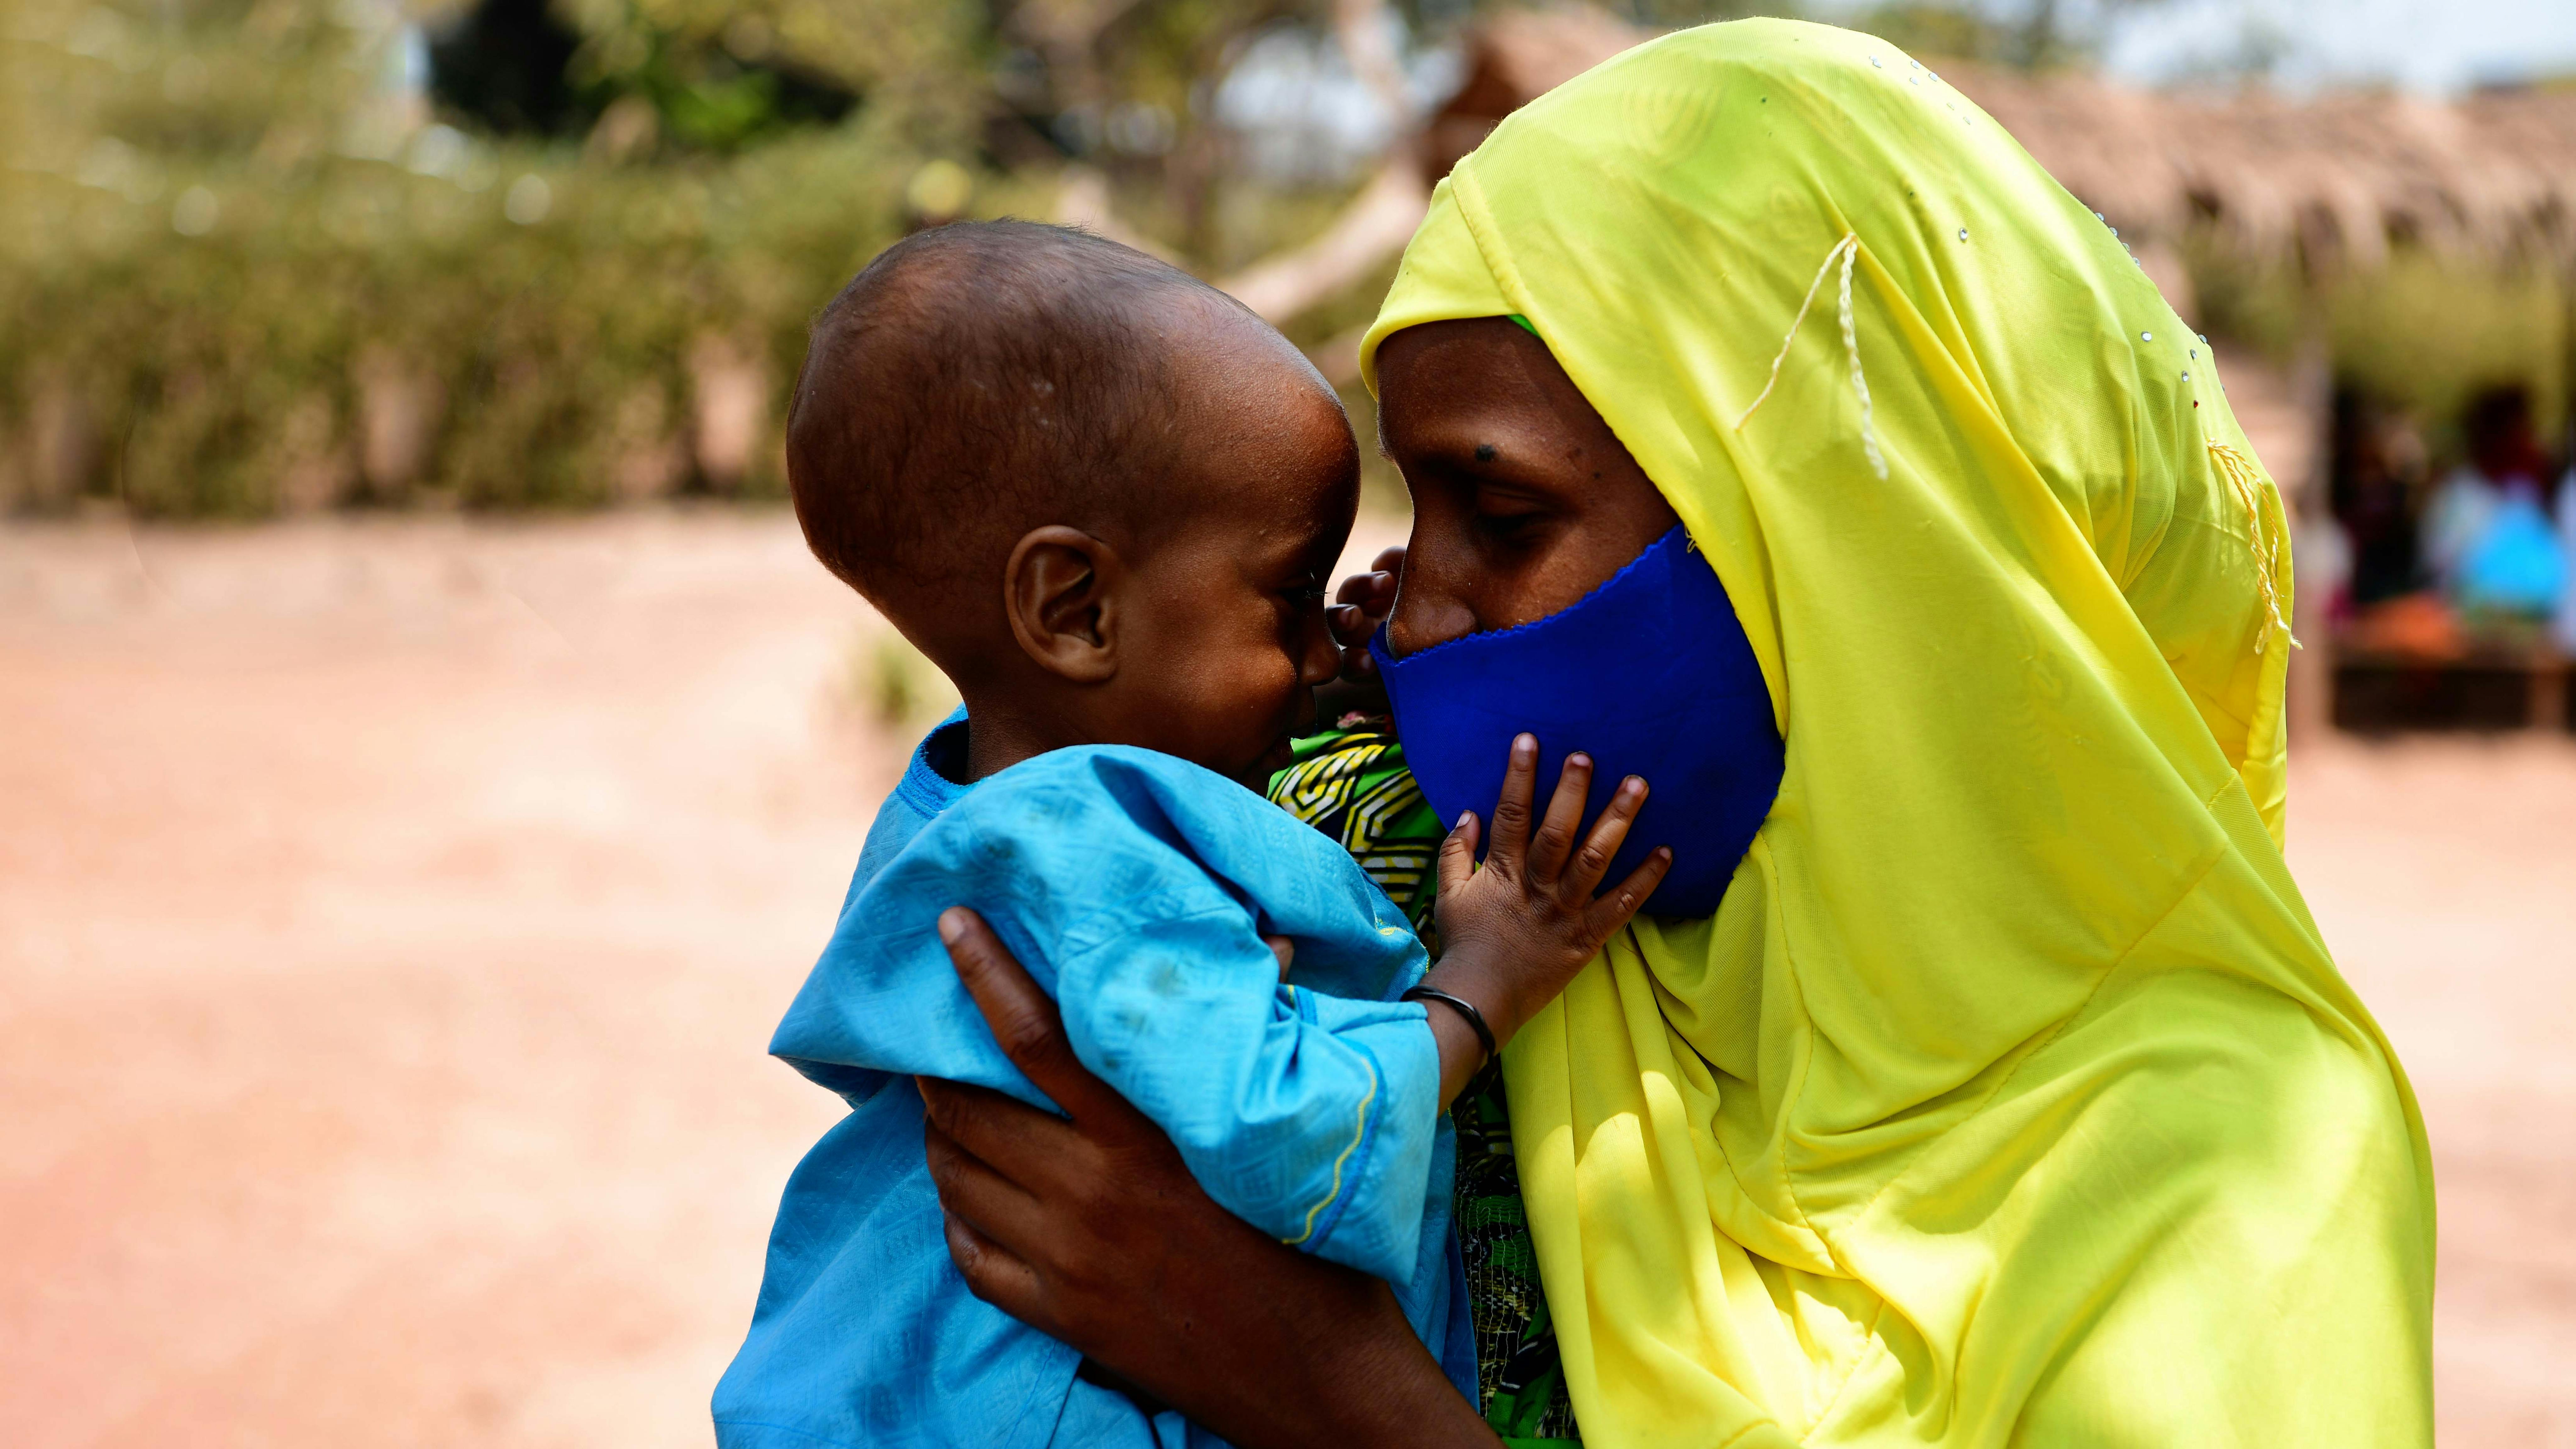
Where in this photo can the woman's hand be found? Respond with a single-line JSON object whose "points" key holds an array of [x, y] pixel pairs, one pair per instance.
{"points": [[1092, 1231], [1515, 932]]}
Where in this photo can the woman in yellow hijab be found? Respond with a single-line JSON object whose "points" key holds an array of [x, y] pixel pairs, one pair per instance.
{"points": [[2010, 1096]]}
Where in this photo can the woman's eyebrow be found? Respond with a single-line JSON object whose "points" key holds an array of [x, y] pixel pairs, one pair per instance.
{"points": [[1456, 450], [1498, 458], [1484, 436]]}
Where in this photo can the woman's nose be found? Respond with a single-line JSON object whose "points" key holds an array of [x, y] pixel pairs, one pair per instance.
{"points": [[1425, 615]]}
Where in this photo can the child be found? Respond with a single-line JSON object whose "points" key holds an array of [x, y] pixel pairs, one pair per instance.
{"points": [[1104, 498]]}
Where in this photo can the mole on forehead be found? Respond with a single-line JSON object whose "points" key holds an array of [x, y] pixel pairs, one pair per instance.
{"points": [[1484, 452]]}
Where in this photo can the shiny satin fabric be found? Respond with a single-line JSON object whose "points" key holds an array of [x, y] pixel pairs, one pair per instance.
{"points": [[2011, 1094]]}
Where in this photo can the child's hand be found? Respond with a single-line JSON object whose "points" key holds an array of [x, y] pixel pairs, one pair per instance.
{"points": [[1359, 607], [1362, 604], [1516, 931]]}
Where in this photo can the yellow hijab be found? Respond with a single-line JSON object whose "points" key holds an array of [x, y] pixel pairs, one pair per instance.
{"points": [[2011, 1096]]}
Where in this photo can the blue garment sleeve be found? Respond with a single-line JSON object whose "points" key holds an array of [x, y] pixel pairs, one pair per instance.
{"points": [[863, 1336], [1136, 889], [1309, 1116]]}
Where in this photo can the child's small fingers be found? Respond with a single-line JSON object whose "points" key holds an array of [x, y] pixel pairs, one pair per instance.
{"points": [[1285, 950], [1555, 838], [1608, 914], [1512, 811], [1609, 832], [1458, 854]]}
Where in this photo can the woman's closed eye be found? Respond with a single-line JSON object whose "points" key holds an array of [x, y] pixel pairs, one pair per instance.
{"points": [[1510, 488], [1507, 526], [1508, 515]]}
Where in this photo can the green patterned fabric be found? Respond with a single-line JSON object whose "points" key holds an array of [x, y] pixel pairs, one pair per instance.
{"points": [[1351, 783]]}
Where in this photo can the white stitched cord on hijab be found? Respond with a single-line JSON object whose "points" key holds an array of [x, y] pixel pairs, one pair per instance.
{"points": [[1848, 251]]}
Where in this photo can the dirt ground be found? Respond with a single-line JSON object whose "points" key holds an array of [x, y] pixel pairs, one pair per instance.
{"points": [[392, 914]]}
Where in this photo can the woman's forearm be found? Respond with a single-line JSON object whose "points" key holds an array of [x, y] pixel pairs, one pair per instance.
{"points": [[1090, 1228], [1269, 1347], [1379, 1401]]}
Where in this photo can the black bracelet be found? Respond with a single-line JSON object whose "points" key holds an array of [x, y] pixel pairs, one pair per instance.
{"points": [[1464, 1007]]}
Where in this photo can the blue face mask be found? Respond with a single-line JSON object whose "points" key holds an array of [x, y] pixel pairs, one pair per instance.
{"points": [[1650, 675]]}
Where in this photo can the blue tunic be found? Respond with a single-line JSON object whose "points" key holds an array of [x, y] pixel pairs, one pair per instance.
{"points": [[1136, 889]]}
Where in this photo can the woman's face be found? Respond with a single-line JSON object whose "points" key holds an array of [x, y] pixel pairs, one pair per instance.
{"points": [[1523, 501]]}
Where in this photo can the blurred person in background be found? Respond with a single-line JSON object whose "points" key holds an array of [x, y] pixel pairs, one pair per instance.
{"points": [[2487, 533], [2378, 464], [2563, 623]]}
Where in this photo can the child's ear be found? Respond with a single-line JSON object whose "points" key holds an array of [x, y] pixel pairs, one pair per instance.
{"points": [[1061, 590]]}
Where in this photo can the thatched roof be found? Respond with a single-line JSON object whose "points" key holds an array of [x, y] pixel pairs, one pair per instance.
{"points": [[2335, 179], [1514, 59]]}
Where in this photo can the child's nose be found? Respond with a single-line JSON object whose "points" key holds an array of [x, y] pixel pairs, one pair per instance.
{"points": [[1321, 661]]}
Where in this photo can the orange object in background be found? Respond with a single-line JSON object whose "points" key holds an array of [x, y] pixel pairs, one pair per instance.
{"points": [[2418, 626]]}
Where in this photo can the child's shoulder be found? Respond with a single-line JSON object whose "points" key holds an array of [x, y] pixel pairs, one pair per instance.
{"points": [[1117, 787], [1083, 850], [1113, 832]]}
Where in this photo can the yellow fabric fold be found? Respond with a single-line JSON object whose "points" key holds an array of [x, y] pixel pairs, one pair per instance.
{"points": [[2011, 1096]]}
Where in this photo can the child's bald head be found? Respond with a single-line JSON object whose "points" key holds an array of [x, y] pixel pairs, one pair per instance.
{"points": [[1101, 495], [981, 379]]}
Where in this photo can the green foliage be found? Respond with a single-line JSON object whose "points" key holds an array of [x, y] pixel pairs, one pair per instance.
{"points": [[224, 239], [2420, 334], [720, 75], [201, 360], [865, 44], [228, 235], [2427, 336]]}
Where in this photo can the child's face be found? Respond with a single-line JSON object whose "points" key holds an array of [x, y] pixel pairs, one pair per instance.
{"points": [[1224, 639]]}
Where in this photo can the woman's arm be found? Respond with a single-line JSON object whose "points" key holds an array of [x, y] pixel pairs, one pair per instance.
{"points": [[1092, 1231]]}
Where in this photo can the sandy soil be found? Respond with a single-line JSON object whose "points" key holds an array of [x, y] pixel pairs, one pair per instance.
{"points": [[392, 914]]}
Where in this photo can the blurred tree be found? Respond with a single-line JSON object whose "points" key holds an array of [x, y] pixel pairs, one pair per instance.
{"points": [[513, 65], [504, 63]]}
